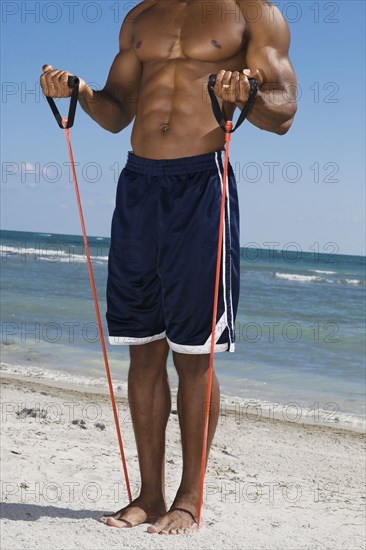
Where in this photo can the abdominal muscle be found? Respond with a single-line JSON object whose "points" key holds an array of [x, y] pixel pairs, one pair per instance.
{"points": [[174, 117]]}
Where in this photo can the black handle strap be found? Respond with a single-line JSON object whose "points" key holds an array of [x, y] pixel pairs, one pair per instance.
{"points": [[219, 115], [73, 82]]}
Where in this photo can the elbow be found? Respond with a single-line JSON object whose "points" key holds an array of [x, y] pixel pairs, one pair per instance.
{"points": [[115, 130], [284, 127], [111, 129], [117, 126], [120, 125]]}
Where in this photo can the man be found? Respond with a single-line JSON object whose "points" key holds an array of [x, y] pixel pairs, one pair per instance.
{"points": [[165, 225]]}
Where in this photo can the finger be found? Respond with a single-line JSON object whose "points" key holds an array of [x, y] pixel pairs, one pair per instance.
{"points": [[52, 79], [60, 88], [55, 83], [44, 81], [47, 76], [235, 81], [47, 83], [44, 85], [64, 77], [259, 76], [226, 89], [227, 77], [64, 83], [244, 88], [231, 88], [220, 76], [217, 87], [55, 76]]}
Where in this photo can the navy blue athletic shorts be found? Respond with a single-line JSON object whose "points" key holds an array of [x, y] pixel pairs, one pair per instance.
{"points": [[162, 260]]}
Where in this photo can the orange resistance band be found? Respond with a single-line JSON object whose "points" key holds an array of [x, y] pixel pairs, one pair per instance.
{"points": [[228, 128], [96, 305]]}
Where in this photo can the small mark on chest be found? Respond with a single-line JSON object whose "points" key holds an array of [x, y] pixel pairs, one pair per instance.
{"points": [[216, 43]]}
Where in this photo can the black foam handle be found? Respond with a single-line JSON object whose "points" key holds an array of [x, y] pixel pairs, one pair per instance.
{"points": [[219, 115], [73, 81], [212, 80]]}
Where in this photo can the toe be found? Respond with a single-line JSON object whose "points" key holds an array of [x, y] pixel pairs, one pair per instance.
{"points": [[173, 531], [118, 522], [152, 529], [103, 519]]}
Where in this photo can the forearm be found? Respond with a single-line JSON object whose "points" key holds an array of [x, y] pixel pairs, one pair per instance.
{"points": [[109, 113], [273, 110]]}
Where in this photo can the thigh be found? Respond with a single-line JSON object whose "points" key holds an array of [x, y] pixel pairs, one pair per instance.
{"points": [[187, 264], [134, 307]]}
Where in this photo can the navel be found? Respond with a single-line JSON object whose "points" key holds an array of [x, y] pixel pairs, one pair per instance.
{"points": [[138, 45]]}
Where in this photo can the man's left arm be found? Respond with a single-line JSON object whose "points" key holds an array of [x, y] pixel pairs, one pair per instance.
{"points": [[267, 53], [267, 39]]}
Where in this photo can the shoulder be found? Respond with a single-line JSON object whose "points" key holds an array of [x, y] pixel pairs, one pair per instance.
{"points": [[264, 21], [126, 32]]}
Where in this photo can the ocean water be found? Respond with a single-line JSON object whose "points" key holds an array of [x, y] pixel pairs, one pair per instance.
{"points": [[300, 328]]}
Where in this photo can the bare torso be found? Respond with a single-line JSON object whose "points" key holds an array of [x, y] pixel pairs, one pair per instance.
{"points": [[179, 45], [168, 49]]}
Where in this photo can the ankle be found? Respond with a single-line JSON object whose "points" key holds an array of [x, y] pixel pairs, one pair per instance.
{"points": [[151, 496], [186, 498]]}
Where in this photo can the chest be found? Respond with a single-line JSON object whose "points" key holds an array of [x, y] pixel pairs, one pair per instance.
{"points": [[199, 29]]}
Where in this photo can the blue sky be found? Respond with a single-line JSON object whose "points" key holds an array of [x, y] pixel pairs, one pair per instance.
{"points": [[317, 193]]}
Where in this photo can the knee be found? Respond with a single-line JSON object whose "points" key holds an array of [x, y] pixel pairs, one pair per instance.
{"points": [[150, 359], [191, 366]]}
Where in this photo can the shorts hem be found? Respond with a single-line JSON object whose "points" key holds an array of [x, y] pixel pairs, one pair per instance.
{"points": [[204, 348], [131, 340]]}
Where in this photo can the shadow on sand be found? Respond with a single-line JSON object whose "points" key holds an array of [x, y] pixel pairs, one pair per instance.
{"points": [[31, 512]]}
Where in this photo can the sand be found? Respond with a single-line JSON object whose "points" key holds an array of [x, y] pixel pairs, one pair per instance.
{"points": [[270, 484]]}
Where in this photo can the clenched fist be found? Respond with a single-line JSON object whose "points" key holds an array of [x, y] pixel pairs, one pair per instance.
{"points": [[54, 82], [234, 86]]}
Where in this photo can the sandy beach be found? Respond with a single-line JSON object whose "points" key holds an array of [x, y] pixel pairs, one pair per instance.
{"points": [[270, 484]]}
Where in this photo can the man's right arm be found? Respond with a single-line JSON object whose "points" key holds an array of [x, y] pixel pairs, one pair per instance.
{"points": [[113, 107]]}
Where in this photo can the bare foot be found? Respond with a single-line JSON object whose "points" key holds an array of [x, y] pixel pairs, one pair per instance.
{"points": [[179, 520], [137, 512]]}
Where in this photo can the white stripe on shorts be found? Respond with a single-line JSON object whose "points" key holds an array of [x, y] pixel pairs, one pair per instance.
{"points": [[227, 207], [131, 340]]}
